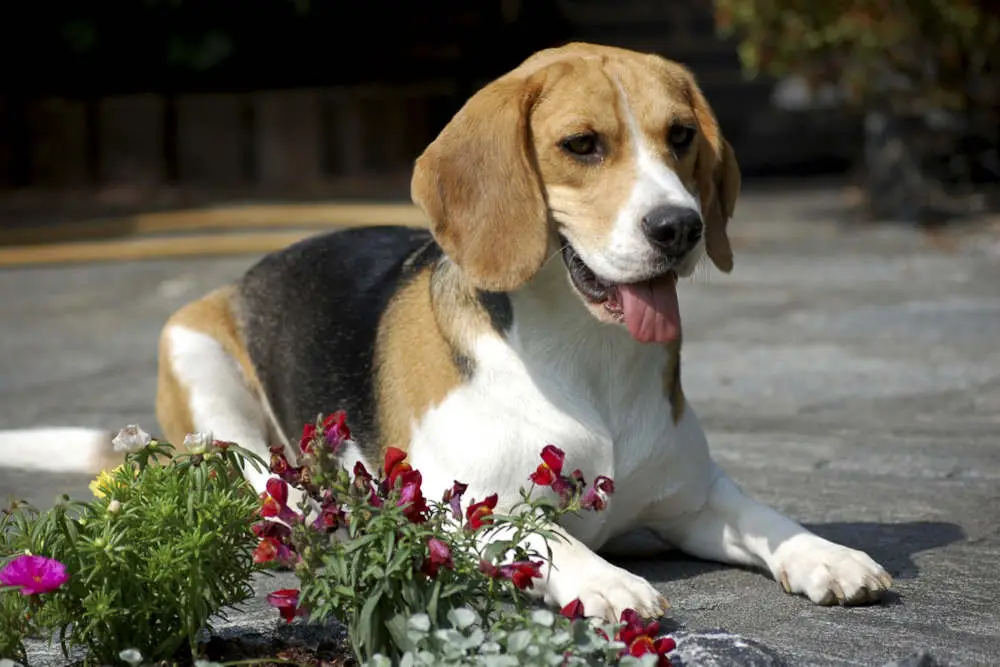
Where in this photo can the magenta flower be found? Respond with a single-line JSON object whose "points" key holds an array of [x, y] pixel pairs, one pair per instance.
{"points": [[439, 556], [286, 601], [596, 497], [34, 574], [453, 497]]}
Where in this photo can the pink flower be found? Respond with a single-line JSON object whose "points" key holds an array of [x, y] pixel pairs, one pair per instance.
{"points": [[286, 601], [274, 502], [550, 469], [453, 497], [439, 555], [34, 574]]}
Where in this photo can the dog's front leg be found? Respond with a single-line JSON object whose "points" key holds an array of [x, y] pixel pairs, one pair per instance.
{"points": [[572, 570], [733, 528]]}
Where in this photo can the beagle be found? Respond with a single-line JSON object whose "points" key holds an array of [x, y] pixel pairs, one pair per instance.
{"points": [[564, 200]]}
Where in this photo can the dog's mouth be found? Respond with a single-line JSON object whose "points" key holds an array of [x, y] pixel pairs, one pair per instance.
{"points": [[648, 308]]}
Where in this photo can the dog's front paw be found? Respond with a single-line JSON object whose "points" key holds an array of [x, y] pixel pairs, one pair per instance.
{"points": [[605, 591], [828, 573]]}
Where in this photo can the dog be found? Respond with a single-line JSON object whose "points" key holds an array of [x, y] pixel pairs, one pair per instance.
{"points": [[564, 200]]}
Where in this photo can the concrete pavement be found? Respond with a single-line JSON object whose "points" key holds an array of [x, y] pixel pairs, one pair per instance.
{"points": [[849, 377]]}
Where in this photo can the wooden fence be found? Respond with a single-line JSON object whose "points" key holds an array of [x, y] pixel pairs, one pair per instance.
{"points": [[267, 138]]}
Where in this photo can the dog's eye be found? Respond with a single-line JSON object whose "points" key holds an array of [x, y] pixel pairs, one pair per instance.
{"points": [[680, 137], [582, 145]]}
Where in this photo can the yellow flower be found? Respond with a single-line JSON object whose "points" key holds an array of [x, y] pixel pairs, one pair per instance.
{"points": [[98, 486]]}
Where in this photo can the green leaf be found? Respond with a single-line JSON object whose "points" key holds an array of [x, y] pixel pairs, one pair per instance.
{"points": [[518, 641], [462, 617]]}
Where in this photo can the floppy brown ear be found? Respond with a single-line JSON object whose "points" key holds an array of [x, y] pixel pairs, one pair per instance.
{"points": [[479, 185], [718, 182]]}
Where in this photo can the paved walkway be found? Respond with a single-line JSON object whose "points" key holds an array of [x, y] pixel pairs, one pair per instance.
{"points": [[850, 378]]}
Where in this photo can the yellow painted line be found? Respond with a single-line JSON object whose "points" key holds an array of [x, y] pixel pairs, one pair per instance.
{"points": [[251, 216], [198, 245]]}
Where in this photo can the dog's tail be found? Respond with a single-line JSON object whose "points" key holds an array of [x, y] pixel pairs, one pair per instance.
{"points": [[57, 449]]}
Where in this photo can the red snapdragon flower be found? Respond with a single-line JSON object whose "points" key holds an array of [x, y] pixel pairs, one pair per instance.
{"points": [[335, 432], [275, 543], [34, 574], [549, 473], [596, 497], [573, 609], [479, 514], [363, 482], [520, 573], [439, 555], [411, 497], [395, 464], [272, 550], [453, 497], [274, 502], [550, 469], [640, 638], [286, 600], [331, 513], [282, 468]]}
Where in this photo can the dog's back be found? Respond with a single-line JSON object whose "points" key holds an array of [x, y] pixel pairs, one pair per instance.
{"points": [[310, 314]]}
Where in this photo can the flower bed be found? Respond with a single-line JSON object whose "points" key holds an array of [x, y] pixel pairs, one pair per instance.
{"points": [[137, 574]]}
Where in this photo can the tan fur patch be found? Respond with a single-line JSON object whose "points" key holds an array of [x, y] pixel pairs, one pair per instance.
{"points": [[215, 316], [438, 314], [414, 369]]}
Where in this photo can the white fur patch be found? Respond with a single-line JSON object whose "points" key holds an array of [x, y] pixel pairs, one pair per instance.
{"points": [[218, 396]]}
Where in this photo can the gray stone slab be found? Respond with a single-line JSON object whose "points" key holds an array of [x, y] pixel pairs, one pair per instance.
{"points": [[849, 377]]}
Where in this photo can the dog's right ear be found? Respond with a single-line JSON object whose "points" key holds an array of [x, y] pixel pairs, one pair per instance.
{"points": [[479, 186]]}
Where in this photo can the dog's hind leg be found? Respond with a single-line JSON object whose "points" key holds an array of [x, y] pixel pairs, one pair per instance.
{"points": [[207, 383]]}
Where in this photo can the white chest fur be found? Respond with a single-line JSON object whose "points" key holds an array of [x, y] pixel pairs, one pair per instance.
{"points": [[562, 378]]}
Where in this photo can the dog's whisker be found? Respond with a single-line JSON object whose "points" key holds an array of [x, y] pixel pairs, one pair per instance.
{"points": [[555, 254]]}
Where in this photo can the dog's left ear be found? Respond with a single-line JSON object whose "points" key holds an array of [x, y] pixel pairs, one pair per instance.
{"points": [[718, 181], [480, 187]]}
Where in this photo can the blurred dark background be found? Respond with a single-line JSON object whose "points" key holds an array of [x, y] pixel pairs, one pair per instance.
{"points": [[134, 98]]}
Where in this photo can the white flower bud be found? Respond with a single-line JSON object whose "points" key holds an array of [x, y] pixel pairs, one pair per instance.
{"points": [[198, 443], [130, 439]]}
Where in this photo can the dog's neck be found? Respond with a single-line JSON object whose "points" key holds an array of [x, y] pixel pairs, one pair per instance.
{"points": [[548, 328]]}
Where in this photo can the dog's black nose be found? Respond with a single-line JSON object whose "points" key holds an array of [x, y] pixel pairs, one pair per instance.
{"points": [[673, 229]]}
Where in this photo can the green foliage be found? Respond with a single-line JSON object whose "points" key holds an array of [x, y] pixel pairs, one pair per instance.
{"points": [[165, 546], [933, 53], [385, 554], [524, 640]]}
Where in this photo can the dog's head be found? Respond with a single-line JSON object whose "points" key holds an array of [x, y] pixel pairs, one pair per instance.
{"points": [[610, 156]]}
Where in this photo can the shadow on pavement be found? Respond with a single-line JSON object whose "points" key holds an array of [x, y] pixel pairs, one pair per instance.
{"points": [[893, 545]]}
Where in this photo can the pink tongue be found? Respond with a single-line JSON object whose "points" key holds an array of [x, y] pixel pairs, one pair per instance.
{"points": [[652, 314]]}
